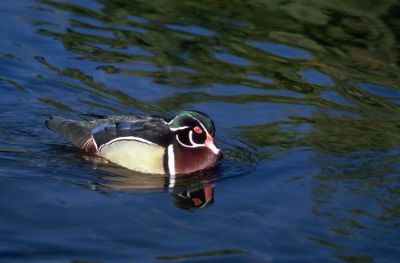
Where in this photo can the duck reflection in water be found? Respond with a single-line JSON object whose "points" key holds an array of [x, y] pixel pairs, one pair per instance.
{"points": [[189, 191]]}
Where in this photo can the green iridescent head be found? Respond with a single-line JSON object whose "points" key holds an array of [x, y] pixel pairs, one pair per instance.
{"points": [[192, 147], [193, 119]]}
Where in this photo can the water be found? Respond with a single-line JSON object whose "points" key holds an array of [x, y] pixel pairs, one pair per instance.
{"points": [[305, 96]]}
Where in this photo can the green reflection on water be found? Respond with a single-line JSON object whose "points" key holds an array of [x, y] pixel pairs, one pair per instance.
{"points": [[179, 43], [347, 44]]}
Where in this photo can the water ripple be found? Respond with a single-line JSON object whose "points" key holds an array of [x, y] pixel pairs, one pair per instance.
{"points": [[305, 97], [282, 50]]}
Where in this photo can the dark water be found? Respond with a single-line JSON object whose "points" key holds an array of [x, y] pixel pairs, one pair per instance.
{"points": [[305, 96]]}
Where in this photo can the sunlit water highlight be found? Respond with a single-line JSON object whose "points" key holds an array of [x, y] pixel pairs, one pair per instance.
{"points": [[305, 97]]}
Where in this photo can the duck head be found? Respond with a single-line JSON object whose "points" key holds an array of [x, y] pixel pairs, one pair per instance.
{"points": [[193, 146]]}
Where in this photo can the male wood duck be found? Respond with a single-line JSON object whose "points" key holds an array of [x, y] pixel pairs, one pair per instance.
{"points": [[146, 144]]}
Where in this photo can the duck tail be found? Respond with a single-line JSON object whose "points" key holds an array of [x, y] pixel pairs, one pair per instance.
{"points": [[75, 131]]}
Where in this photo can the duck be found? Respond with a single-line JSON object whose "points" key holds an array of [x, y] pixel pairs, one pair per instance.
{"points": [[180, 145]]}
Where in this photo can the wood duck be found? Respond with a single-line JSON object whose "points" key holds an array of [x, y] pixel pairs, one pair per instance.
{"points": [[147, 144]]}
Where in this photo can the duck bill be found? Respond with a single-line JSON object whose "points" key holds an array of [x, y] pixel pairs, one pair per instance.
{"points": [[210, 145]]}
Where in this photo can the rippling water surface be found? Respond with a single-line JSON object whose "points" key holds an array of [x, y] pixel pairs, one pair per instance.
{"points": [[305, 96]]}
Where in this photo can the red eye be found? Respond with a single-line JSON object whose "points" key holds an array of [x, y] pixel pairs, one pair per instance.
{"points": [[197, 130]]}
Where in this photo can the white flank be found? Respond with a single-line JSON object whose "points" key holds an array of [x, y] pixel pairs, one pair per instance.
{"points": [[133, 138], [136, 154]]}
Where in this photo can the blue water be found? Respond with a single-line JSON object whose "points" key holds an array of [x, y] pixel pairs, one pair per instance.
{"points": [[305, 98]]}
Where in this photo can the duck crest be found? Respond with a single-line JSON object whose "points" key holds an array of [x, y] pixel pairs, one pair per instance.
{"points": [[186, 118], [146, 144]]}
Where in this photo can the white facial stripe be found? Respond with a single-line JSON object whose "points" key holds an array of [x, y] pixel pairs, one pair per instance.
{"points": [[171, 121], [192, 141], [179, 128], [177, 117], [191, 138], [189, 146], [127, 138], [185, 127], [171, 165]]}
